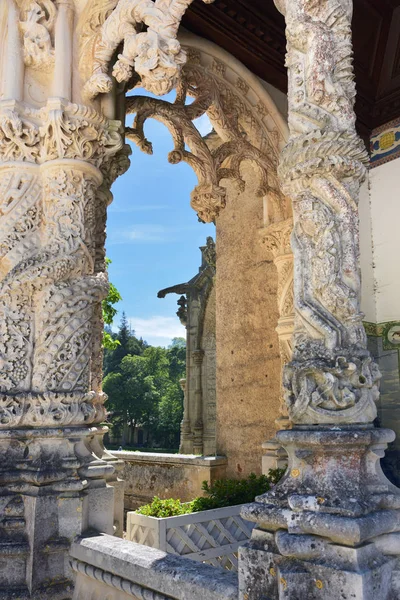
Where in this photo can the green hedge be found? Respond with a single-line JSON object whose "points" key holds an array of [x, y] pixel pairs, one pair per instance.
{"points": [[223, 492]]}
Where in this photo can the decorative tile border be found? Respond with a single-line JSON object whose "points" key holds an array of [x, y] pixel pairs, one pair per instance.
{"points": [[389, 332], [385, 143]]}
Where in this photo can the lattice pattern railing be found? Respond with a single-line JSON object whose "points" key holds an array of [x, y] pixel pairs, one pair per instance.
{"points": [[210, 536]]}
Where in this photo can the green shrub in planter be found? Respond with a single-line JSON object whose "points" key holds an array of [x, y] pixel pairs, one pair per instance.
{"points": [[223, 492], [165, 508], [229, 492]]}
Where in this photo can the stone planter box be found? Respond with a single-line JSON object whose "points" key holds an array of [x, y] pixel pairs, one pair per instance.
{"points": [[210, 536]]}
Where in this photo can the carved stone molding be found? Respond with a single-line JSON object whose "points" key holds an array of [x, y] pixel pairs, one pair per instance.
{"points": [[59, 130], [108, 585], [50, 409]]}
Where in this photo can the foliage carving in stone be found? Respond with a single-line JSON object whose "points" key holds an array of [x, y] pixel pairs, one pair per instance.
{"points": [[65, 130], [155, 54], [331, 376], [49, 409], [231, 120]]}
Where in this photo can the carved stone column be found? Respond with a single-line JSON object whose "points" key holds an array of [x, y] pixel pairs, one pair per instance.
{"points": [[276, 237], [185, 424], [59, 155], [198, 356], [329, 528]]}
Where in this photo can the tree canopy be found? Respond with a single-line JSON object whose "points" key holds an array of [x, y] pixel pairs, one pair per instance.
{"points": [[142, 384]]}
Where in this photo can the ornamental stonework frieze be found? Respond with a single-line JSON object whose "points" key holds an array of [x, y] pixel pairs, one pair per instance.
{"points": [[59, 130], [50, 409]]}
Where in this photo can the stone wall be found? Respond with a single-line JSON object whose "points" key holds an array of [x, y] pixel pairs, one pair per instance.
{"points": [[380, 249], [248, 360], [166, 475]]}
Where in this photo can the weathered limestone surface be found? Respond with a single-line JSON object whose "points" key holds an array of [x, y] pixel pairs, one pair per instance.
{"points": [[60, 150], [249, 136], [166, 475], [197, 313], [248, 359], [330, 527], [107, 567]]}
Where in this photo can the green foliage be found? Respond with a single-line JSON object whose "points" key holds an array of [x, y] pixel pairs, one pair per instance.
{"points": [[223, 492], [125, 343], [109, 312], [229, 492], [142, 384], [165, 508]]}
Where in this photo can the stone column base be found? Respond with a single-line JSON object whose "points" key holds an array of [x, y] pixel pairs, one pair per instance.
{"points": [[337, 573]]}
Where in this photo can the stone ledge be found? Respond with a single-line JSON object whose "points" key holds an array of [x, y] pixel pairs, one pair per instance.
{"points": [[178, 459], [172, 576]]}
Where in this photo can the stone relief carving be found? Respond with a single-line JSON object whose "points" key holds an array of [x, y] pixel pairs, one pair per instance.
{"points": [[155, 55], [66, 131], [321, 169], [50, 282], [37, 22], [235, 126], [49, 409]]}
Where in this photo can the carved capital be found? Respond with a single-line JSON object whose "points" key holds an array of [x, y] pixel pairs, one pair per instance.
{"points": [[276, 237], [60, 130]]}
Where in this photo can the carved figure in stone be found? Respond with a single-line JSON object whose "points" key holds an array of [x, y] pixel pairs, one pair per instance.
{"points": [[155, 54], [209, 252], [37, 20]]}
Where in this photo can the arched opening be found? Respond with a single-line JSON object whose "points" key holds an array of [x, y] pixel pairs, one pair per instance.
{"points": [[237, 188]]}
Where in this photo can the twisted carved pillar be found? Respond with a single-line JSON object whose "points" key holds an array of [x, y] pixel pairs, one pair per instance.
{"points": [[59, 155], [330, 528]]}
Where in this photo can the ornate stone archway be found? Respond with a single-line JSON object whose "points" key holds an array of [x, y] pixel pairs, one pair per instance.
{"points": [[248, 130]]}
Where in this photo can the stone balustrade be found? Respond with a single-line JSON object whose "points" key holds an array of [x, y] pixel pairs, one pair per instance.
{"points": [[108, 567]]}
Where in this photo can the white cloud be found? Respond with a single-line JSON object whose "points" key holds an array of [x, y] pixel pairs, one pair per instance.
{"points": [[141, 234], [157, 330], [203, 125]]}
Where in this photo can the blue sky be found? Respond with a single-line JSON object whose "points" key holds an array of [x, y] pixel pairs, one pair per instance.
{"points": [[153, 236]]}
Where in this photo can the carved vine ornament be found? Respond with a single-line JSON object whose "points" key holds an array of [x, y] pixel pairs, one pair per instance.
{"points": [[332, 377], [52, 210], [210, 161]]}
